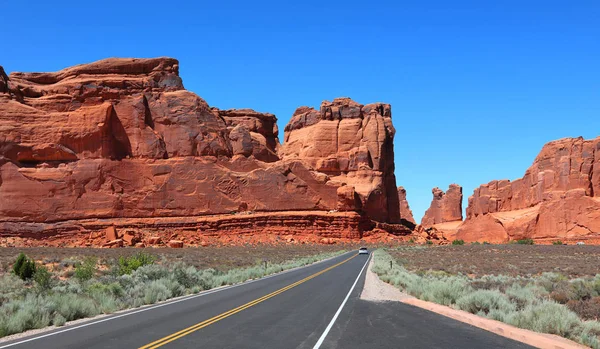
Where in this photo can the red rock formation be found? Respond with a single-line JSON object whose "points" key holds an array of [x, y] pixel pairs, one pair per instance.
{"points": [[122, 138], [350, 143], [558, 198], [445, 207], [405, 211]]}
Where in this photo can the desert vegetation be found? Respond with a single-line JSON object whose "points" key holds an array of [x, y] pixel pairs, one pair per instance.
{"points": [[538, 297], [39, 291]]}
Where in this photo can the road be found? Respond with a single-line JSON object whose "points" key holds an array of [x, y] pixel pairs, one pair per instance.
{"points": [[301, 308]]}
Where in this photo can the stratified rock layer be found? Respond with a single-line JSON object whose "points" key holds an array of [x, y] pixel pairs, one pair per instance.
{"points": [[558, 198], [445, 207], [122, 138]]}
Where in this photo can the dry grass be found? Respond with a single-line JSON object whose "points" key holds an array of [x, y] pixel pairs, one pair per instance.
{"points": [[513, 259]]}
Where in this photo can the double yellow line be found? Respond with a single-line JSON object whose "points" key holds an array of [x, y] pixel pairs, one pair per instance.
{"points": [[196, 327]]}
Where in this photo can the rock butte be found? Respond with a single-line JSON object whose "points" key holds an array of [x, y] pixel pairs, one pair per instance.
{"points": [[558, 198], [118, 152]]}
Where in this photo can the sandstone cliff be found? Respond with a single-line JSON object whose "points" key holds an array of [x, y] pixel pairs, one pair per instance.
{"points": [[445, 207], [558, 198], [122, 138]]}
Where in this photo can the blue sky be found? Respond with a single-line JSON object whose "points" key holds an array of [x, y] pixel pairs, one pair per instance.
{"points": [[476, 87]]}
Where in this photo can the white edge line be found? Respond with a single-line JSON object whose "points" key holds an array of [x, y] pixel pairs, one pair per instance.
{"points": [[337, 313], [207, 292]]}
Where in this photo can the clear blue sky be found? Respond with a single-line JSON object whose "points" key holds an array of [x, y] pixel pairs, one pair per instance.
{"points": [[476, 87]]}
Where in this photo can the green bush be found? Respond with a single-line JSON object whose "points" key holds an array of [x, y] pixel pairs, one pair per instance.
{"points": [[458, 242], [127, 265], [86, 270], [24, 267], [43, 278], [557, 242], [525, 242], [429, 242]]}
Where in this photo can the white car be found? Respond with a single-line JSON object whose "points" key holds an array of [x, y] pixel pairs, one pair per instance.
{"points": [[363, 250]]}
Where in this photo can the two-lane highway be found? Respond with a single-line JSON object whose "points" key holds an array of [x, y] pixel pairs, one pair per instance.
{"points": [[311, 307]]}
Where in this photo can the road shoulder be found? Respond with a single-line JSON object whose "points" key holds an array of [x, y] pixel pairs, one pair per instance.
{"points": [[375, 290]]}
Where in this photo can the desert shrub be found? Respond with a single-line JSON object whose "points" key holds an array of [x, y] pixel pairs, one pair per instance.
{"points": [[491, 282], [445, 291], [551, 281], [156, 291], [151, 272], [475, 243], [590, 333], [11, 287], [582, 289], [127, 265], [429, 242], [586, 309], [74, 306], [86, 270], [484, 301], [106, 302], [458, 242], [547, 317], [525, 242], [523, 296], [43, 278], [24, 267], [69, 286], [59, 320], [557, 242]]}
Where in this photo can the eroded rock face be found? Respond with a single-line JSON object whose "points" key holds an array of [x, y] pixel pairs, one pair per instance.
{"points": [[445, 207], [405, 211], [558, 198], [353, 144], [122, 138]]}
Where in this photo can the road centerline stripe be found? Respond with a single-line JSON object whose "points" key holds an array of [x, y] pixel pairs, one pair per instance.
{"points": [[170, 338]]}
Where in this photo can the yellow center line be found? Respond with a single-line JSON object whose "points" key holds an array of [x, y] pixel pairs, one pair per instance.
{"points": [[226, 314]]}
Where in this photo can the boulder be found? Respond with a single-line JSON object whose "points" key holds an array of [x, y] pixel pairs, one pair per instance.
{"points": [[175, 244], [111, 233]]}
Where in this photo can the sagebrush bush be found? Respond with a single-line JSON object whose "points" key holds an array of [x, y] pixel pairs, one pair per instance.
{"points": [[590, 334], [557, 242], [11, 287], [547, 317], [458, 242], [484, 301], [59, 320], [156, 291]]}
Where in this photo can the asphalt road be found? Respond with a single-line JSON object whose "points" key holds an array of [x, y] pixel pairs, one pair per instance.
{"points": [[289, 310]]}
